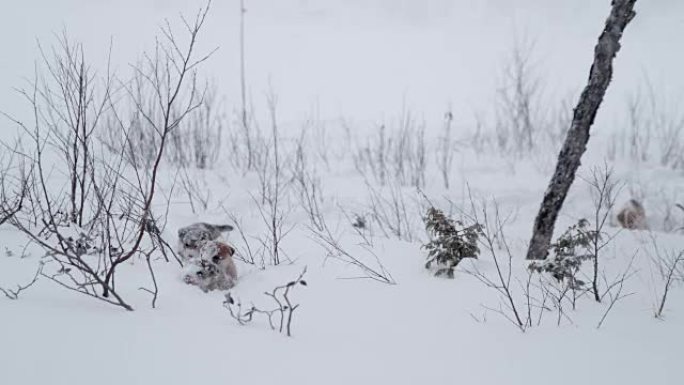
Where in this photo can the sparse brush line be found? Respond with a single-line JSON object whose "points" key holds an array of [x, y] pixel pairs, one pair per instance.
{"points": [[335, 250]]}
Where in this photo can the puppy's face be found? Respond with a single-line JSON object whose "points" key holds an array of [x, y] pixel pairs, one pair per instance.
{"points": [[215, 252], [191, 238]]}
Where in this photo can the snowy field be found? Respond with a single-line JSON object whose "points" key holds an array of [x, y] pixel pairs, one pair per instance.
{"points": [[361, 116]]}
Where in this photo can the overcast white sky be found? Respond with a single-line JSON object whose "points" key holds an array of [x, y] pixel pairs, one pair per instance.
{"points": [[363, 58]]}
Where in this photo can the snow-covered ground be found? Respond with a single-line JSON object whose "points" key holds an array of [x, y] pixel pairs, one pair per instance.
{"points": [[343, 69]]}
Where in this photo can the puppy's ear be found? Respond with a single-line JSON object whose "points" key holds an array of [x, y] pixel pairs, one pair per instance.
{"points": [[182, 232], [224, 228], [227, 250]]}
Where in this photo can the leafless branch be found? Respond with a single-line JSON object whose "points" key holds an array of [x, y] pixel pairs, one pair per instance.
{"points": [[13, 294], [283, 312]]}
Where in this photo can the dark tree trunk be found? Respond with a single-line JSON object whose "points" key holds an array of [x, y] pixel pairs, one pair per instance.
{"points": [[577, 138]]}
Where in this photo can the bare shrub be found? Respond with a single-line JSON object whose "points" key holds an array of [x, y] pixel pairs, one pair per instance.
{"points": [[399, 154], [670, 270], [280, 317], [330, 241], [518, 116], [11, 202], [243, 145], [372, 159], [655, 133], [604, 191], [196, 190], [198, 141], [493, 239], [272, 202], [13, 294], [525, 123], [389, 209], [247, 252], [615, 287], [308, 185], [106, 213]]}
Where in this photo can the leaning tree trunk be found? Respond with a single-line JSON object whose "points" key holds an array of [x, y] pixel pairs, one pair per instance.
{"points": [[577, 138]]}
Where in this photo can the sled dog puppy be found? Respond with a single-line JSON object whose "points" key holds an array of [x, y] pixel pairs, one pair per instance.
{"points": [[214, 268], [632, 216]]}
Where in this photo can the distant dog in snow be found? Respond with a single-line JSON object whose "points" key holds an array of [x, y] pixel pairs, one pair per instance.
{"points": [[189, 237], [213, 269], [632, 216]]}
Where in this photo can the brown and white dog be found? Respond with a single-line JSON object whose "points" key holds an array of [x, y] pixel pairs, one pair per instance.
{"points": [[632, 216], [213, 268], [190, 237]]}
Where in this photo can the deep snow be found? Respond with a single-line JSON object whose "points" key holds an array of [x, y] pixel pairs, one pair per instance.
{"points": [[363, 61]]}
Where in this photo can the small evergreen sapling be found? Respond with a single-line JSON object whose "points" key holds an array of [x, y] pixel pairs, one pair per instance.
{"points": [[569, 251], [450, 242]]}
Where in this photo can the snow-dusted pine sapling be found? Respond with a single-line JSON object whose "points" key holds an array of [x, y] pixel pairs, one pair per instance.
{"points": [[570, 250], [450, 242]]}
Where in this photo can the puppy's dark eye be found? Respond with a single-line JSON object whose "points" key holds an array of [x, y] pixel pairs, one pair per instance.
{"points": [[200, 274], [216, 258]]}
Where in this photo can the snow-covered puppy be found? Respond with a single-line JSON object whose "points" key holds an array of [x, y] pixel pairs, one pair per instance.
{"points": [[213, 269], [189, 237], [632, 216]]}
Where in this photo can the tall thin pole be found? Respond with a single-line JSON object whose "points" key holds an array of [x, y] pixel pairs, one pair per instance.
{"points": [[243, 86]]}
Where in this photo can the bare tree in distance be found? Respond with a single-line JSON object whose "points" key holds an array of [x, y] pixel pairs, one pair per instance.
{"points": [[575, 145]]}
